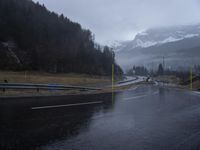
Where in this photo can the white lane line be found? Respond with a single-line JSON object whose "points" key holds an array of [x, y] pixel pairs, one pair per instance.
{"points": [[67, 105], [140, 96]]}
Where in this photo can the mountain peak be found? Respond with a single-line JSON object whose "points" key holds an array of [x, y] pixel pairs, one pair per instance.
{"points": [[158, 36], [175, 43]]}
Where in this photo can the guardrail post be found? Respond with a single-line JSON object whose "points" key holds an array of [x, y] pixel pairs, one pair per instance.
{"points": [[38, 89]]}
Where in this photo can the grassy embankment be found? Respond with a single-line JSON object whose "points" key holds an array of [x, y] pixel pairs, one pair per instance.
{"points": [[196, 85], [177, 81], [169, 79], [47, 78], [103, 82]]}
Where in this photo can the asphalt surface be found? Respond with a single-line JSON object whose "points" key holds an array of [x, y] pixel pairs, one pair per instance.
{"points": [[151, 117]]}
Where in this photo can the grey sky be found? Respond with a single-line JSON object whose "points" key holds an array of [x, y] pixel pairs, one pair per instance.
{"points": [[120, 20]]}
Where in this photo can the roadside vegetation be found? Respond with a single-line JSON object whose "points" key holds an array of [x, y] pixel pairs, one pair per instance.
{"points": [[36, 39], [103, 82], [179, 77], [50, 78]]}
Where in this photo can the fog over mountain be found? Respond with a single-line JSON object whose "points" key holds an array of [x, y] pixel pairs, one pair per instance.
{"points": [[149, 29], [179, 45], [121, 20]]}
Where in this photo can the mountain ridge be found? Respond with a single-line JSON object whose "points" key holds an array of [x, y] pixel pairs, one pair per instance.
{"points": [[173, 50], [46, 41], [163, 35]]}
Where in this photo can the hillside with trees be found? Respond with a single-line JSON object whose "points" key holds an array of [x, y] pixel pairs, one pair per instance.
{"points": [[34, 38]]}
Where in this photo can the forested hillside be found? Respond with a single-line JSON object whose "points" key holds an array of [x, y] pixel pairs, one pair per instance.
{"points": [[33, 38]]}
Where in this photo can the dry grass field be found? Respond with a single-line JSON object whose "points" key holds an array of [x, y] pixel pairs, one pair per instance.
{"points": [[47, 78], [170, 79], [196, 85], [64, 79]]}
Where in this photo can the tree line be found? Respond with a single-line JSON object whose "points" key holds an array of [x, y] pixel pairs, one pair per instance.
{"points": [[46, 41], [182, 74]]}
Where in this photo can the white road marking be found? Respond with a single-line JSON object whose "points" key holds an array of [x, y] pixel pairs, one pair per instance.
{"points": [[67, 105]]}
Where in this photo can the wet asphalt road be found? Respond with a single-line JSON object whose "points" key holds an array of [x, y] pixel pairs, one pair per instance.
{"points": [[151, 118]]}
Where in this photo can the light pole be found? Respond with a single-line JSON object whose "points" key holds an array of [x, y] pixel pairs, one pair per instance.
{"points": [[113, 78], [191, 78], [163, 65]]}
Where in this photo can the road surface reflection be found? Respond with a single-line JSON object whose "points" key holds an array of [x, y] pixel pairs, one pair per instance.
{"points": [[146, 118]]}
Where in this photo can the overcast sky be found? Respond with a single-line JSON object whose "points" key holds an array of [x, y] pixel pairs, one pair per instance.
{"points": [[120, 20]]}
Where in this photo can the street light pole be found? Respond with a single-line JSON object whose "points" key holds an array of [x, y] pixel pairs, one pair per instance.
{"points": [[163, 65], [191, 78], [113, 80]]}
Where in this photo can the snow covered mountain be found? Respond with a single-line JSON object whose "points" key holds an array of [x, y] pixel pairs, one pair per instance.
{"points": [[153, 44], [158, 36]]}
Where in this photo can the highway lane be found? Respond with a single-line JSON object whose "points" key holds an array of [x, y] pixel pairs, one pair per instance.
{"points": [[151, 117]]}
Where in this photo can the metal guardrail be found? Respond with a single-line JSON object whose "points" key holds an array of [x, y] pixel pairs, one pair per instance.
{"points": [[120, 82], [5, 86]]}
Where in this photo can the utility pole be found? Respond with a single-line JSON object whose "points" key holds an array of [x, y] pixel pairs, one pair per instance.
{"points": [[113, 71], [163, 64], [113, 80], [191, 78]]}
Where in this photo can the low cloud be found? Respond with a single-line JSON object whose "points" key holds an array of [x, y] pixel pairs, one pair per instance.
{"points": [[120, 20]]}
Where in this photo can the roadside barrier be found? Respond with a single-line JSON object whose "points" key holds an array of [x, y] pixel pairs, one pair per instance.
{"points": [[37, 87]]}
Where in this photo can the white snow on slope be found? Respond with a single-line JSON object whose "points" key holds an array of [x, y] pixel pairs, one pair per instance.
{"points": [[140, 43], [190, 35], [146, 44], [169, 39]]}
